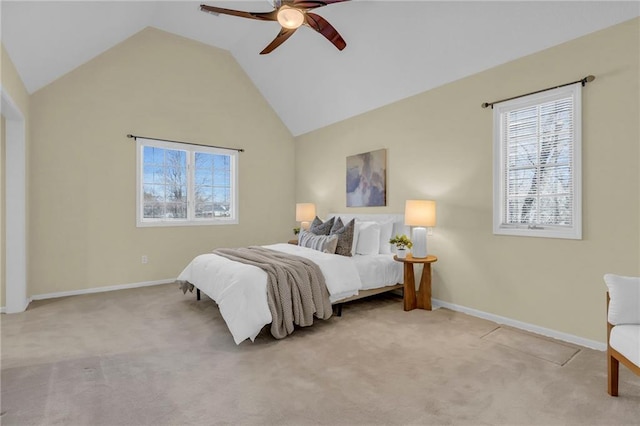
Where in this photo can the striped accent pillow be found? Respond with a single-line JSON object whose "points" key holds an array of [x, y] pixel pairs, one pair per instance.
{"points": [[323, 243]]}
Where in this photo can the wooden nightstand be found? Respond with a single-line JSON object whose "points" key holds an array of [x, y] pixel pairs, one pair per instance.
{"points": [[294, 242], [423, 299]]}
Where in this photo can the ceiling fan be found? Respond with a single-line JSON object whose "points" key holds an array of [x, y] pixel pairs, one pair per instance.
{"points": [[290, 14]]}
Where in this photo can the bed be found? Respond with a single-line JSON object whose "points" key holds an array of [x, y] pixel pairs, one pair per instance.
{"points": [[240, 289]]}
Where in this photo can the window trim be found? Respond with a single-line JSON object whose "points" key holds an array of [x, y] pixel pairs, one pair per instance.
{"points": [[141, 222], [499, 167]]}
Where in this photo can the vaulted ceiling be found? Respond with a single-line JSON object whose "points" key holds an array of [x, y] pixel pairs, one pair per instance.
{"points": [[395, 49]]}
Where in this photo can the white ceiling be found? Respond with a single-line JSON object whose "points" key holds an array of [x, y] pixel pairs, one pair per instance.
{"points": [[395, 49]]}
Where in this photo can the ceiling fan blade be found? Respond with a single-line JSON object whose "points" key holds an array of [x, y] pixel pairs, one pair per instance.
{"points": [[312, 4], [321, 25], [261, 16], [282, 36]]}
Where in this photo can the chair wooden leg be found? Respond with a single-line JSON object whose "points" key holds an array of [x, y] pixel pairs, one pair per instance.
{"points": [[612, 367]]}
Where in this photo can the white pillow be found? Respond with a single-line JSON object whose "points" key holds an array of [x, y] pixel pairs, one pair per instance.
{"points": [[323, 243], [386, 229], [368, 238], [356, 234], [624, 307]]}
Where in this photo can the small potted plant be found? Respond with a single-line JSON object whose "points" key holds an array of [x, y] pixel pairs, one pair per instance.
{"points": [[402, 243]]}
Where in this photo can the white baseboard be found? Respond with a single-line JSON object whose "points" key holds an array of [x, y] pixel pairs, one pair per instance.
{"points": [[577, 340], [25, 304], [100, 289]]}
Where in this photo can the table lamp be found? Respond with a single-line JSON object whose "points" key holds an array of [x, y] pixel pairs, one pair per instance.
{"points": [[420, 214], [305, 213]]}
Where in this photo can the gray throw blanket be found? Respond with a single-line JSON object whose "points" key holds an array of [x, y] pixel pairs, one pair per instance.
{"points": [[296, 289]]}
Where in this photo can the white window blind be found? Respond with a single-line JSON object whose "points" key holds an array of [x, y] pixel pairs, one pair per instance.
{"points": [[537, 179]]}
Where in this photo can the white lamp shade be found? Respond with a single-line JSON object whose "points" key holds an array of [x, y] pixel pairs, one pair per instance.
{"points": [[420, 213], [305, 212]]}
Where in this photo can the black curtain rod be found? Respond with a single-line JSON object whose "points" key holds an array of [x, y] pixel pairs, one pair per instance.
{"points": [[187, 143], [584, 81]]}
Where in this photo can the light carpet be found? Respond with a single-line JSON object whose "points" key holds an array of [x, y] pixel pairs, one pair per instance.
{"points": [[539, 346], [153, 356]]}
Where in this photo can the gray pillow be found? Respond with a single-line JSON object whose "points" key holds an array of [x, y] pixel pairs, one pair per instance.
{"points": [[319, 228], [345, 236], [323, 243]]}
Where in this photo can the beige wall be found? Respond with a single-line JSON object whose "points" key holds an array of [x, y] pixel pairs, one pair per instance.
{"points": [[3, 242], [439, 146], [83, 170], [12, 85]]}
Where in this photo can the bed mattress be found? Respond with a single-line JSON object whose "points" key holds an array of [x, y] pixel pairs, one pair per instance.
{"points": [[240, 290]]}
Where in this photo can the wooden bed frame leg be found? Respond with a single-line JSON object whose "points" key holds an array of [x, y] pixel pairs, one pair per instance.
{"points": [[339, 309], [197, 294]]}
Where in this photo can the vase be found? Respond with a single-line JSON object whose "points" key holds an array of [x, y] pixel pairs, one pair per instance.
{"points": [[401, 252]]}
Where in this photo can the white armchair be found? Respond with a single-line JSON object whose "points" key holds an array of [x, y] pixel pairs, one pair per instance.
{"points": [[623, 327]]}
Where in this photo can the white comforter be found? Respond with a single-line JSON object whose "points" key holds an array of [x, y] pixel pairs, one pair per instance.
{"points": [[241, 290]]}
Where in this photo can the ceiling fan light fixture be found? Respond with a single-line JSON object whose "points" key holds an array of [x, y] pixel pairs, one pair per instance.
{"points": [[290, 17]]}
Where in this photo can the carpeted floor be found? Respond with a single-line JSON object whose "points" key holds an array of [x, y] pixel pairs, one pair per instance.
{"points": [[153, 356]]}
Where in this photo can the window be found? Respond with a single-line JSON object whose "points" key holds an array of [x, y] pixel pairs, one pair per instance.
{"points": [[537, 165], [181, 184]]}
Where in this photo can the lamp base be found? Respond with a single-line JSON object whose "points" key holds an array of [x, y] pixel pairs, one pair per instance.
{"points": [[419, 240]]}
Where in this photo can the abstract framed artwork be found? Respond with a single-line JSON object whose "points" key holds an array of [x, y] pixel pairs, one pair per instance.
{"points": [[367, 179]]}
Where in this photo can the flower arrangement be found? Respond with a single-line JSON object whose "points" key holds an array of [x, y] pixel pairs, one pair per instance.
{"points": [[401, 241], [296, 231]]}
